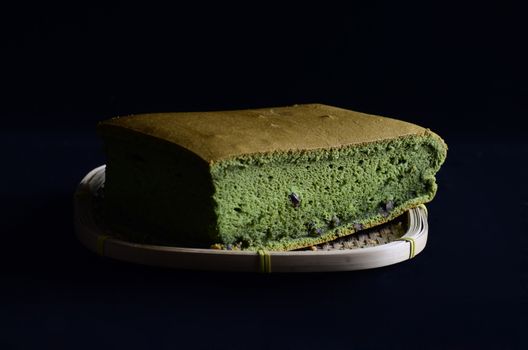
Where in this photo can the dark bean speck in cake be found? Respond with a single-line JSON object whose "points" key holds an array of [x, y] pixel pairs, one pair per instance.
{"points": [[313, 230], [295, 200], [358, 226], [334, 222], [386, 208]]}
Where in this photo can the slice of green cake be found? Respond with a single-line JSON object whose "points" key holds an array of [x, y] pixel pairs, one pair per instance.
{"points": [[279, 179]]}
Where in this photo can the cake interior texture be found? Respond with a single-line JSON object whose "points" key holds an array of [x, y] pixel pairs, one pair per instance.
{"points": [[281, 200]]}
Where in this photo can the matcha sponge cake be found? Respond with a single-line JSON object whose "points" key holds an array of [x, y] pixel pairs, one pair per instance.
{"points": [[278, 179]]}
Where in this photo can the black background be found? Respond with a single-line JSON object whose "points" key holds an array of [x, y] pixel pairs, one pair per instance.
{"points": [[458, 70]]}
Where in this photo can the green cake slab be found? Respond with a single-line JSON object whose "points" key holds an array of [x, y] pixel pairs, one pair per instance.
{"points": [[276, 178]]}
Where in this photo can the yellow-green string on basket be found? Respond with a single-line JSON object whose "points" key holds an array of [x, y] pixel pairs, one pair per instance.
{"points": [[265, 261], [411, 242], [101, 243]]}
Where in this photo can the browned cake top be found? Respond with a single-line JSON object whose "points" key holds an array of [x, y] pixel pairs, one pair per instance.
{"points": [[225, 134]]}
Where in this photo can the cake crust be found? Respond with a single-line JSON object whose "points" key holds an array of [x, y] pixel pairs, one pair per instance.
{"points": [[221, 135]]}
